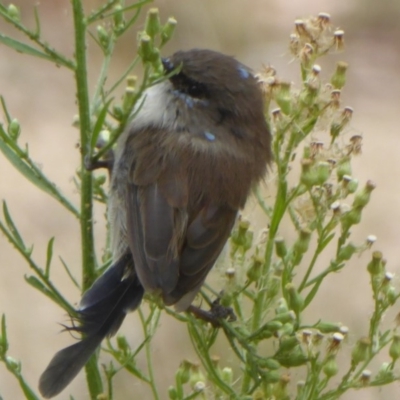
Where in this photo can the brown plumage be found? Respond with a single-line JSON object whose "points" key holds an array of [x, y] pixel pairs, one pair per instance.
{"points": [[182, 171]]}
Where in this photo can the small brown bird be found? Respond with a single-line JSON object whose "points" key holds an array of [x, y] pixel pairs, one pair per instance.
{"points": [[182, 171]]}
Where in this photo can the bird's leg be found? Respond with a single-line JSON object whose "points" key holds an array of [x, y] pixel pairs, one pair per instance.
{"points": [[107, 162], [215, 314]]}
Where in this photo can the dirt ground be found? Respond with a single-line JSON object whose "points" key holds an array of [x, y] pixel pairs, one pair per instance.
{"points": [[41, 96]]}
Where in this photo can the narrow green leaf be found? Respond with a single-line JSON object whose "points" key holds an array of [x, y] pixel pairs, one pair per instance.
{"points": [[12, 228], [37, 284], [49, 256], [5, 110], [325, 242], [4, 340], [24, 48], [74, 281]]}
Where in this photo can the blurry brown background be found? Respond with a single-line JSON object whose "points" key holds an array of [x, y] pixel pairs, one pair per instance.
{"points": [[41, 96]]}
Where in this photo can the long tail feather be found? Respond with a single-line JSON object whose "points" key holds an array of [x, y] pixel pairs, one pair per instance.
{"points": [[102, 311]]}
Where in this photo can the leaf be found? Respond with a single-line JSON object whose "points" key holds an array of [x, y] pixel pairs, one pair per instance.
{"points": [[12, 228], [37, 284], [49, 256], [24, 48]]}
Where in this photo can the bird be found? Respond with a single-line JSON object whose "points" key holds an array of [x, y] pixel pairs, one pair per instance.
{"points": [[182, 171]]}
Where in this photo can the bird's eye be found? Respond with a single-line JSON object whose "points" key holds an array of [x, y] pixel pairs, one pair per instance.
{"points": [[189, 86]]}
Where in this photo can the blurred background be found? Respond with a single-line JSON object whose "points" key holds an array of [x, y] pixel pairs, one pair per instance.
{"points": [[41, 96]]}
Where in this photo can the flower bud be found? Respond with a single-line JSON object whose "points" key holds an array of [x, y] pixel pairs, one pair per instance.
{"points": [[118, 18], [394, 349], [339, 39], [227, 375], [13, 12], [365, 377], [254, 272], [343, 168], [14, 129], [375, 266], [146, 49], [271, 377], [335, 342], [296, 301], [103, 36], [346, 252], [362, 198], [172, 393], [123, 344], [269, 363], [327, 327], [280, 247], [350, 218], [331, 367], [129, 99], [168, 30], [338, 79], [360, 351], [152, 24], [323, 172], [303, 241], [282, 307], [308, 175]]}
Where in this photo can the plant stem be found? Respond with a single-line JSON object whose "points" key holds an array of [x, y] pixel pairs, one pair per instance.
{"points": [[93, 377]]}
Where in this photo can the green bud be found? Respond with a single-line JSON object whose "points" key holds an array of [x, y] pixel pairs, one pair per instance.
{"points": [[375, 266], [362, 198], [103, 36], [152, 24], [360, 351], [14, 129], [350, 218], [118, 18], [13, 364], [13, 12], [290, 353], [385, 374], [343, 168], [352, 186], [118, 112], [283, 98], [282, 307], [391, 295], [254, 272], [346, 252], [123, 344], [296, 301], [323, 171], [308, 175], [327, 327], [331, 367], [168, 30], [146, 49], [280, 247], [100, 180], [284, 317], [274, 286], [338, 79], [286, 330], [280, 389], [195, 375], [184, 372], [271, 377], [302, 243], [227, 375], [129, 99], [172, 393], [394, 349], [269, 363]]}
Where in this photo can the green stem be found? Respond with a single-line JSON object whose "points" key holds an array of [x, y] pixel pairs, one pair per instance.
{"points": [[93, 377]]}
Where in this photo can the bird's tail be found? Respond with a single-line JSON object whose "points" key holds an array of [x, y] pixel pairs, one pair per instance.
{"points": [[103, 308]]}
